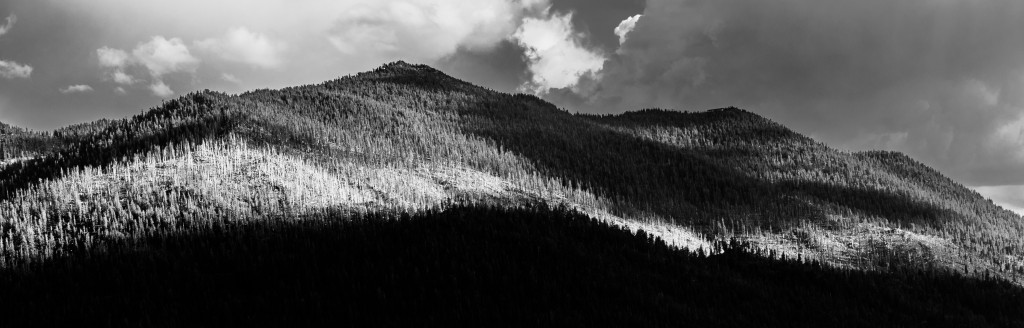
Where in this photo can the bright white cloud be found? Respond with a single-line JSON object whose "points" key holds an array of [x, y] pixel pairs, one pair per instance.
{"points": [[161, 56], [77, 88], [626, 26], [10, 69], [117, 60], [325, 38], [557, 59], [11, 19], [426, 30], [120, 77], [160, 89], [244, 46], [158, 57], [364, 33], [110, 57]]}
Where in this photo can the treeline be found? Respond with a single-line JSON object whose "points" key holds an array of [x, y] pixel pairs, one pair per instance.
{"points": [[193, 118], [17, 143]]}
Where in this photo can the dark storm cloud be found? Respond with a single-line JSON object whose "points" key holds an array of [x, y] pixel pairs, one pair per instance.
{"points": [[503, 68], [942, 80], [597, 18]]}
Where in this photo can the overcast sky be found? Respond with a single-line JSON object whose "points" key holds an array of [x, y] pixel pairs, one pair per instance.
{"points": [[941, 80]]}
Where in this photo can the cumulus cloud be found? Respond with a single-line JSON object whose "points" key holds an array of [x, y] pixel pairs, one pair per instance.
{"points": [[11, 19], [160, 89], [116, 60], [120, 77], [110, 57], [626, 26], [556, 57], [157, 57], [426, 30], [77, 88], [244, 46], [10, 69], [161, 56], [939, 80], [325, 38]]}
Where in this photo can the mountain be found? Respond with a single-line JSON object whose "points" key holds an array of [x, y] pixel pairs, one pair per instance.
{"points": [[211, 178]]}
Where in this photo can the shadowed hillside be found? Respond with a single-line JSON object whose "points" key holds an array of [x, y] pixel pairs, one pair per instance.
{"points": [[478, 266]]}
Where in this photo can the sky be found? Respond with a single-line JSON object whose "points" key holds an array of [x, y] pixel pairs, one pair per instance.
{"points": [[940, 80]]}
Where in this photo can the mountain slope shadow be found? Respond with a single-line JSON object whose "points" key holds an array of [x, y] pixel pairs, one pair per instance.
{"points": [[477, 266], [693, 186]]}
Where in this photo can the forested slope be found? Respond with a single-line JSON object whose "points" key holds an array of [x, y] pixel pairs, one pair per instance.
{"points": [[404, 138], [477, 266]]}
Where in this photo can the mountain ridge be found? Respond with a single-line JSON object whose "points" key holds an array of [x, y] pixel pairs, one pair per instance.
{"points": [[715, 174], [404, 196]]}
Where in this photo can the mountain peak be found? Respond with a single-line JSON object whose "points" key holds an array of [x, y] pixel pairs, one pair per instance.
{"points": [[400, 63], [420, 75], [404, 68]]}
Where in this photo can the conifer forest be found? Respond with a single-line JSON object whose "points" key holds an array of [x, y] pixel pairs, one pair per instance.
{"points": [[403, 196]]}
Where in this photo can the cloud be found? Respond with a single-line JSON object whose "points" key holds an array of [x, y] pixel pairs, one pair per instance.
{"points": [[11, 69], [230, 78], [426, 30], [939, 79], [11, 19], [504, 68], [110, 57], [117, 60], [77, 88], [626, 26], [158, 57], [556, 57], [324, 38], [244, 46], [161, 56], [160, 89], [120, 77]]}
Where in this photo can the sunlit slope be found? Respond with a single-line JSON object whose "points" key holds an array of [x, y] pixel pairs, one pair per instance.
{"points": [[407, 137]]}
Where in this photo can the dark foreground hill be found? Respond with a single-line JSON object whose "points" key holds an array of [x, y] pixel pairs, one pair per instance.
{"points": [[479, 266], [405, 139]]}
